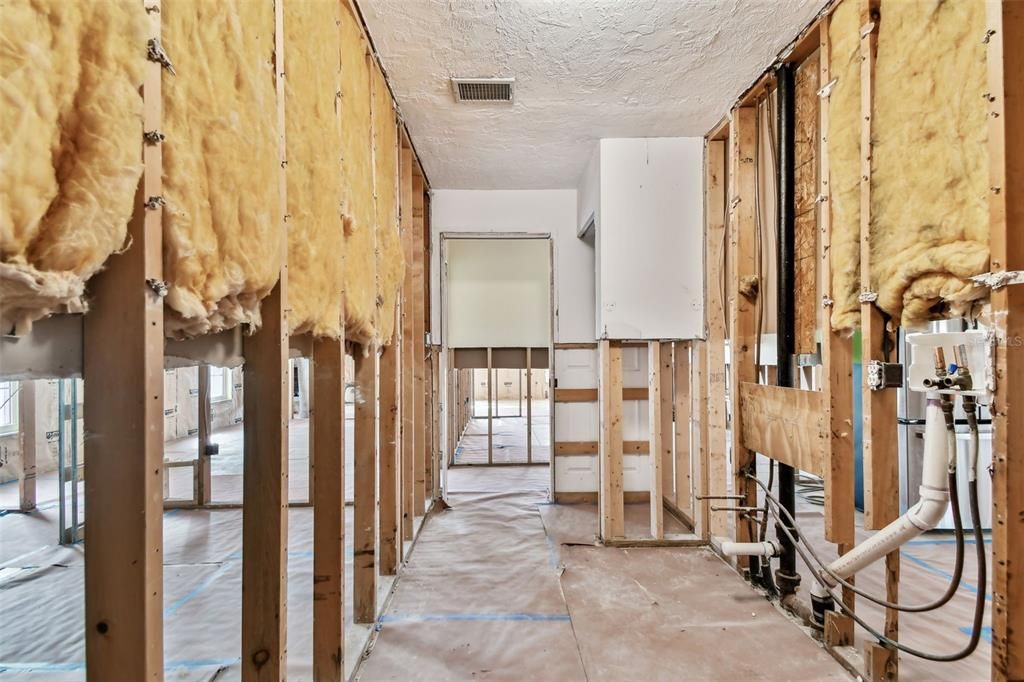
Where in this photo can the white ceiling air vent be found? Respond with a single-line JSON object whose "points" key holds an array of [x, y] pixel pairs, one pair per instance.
{"points": [[482, 89]]}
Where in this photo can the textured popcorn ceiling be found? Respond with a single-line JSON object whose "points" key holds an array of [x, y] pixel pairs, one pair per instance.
{"points": [[584, 69]]}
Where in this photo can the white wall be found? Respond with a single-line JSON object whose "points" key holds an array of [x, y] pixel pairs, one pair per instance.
{"points": [[650, 239], [499, 293], [526, 211]]}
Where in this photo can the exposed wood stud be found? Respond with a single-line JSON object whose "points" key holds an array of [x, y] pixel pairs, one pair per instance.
{"points": [[745, 289], [529, 406], [879, 442], [390, 459], [327, 430], [611, 500], [1005, 37], [716, 286], [27, 436], [124, 417], [490, 410], [676, 402], [204, 488], [656, 437], [408, 333], [420, 393], [364, 565]]}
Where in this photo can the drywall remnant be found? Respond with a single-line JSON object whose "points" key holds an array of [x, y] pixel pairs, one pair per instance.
{"points": [[71, 124], [929, 175], [844, 163], [223, 236], [313, 135]]}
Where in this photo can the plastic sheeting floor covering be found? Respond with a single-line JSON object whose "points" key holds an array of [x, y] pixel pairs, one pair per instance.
{"points": [[202, 598], [509, 434], [487, 594], [502, 586]]}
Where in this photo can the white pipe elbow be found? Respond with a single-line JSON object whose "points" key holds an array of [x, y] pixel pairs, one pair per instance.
{"points": [[767, 549]]}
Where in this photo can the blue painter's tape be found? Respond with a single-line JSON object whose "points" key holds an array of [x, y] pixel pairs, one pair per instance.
{"points": [[41, 667], [197, 590], [471, 617], [949, 541], [938, 571], [986, 633]]}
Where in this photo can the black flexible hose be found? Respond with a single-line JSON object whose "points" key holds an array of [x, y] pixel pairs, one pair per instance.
{"points": [[958, 566], [979, 605]]}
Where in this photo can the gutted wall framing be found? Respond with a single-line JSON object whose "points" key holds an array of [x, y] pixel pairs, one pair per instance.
{"points": [[860, 172], [293, 300]]}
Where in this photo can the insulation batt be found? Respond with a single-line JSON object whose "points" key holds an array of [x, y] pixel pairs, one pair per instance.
{"points": [[71, 154], [360, 274], [223, 233], [390, 263], [929, 176], [313, 134], [844, 164]]}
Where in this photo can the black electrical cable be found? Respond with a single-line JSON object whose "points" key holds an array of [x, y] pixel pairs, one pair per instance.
{"points": [[958, 566], [979, 607]]}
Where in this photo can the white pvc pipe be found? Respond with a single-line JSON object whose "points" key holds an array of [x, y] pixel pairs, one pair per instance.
{"points": [[923, 516], [768, 549]]}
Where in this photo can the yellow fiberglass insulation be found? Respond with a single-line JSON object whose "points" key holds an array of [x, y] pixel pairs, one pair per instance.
{"points": [[929, 176], [71, 125], [844, 163], [357, 170], [223, 234], [313, 135], [390, 263]]}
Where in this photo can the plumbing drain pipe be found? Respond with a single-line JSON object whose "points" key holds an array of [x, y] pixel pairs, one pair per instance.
{"points": [[766, 549], [786, 576], [923, 516]]}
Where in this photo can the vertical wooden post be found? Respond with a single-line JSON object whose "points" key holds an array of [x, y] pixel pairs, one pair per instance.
{"points": [[699, 412], [435, 425], [27, 438], [745, 289], [409, 398], [327, 440], [364, 569], [1006, 210], [715, 285], [837, 372], [612, 499], [421, 397], [881, 463], [203, 438], [267, 406], [124, 417], [490, 411], [655, 439], [390, 456], [678, 406], [529, 406]]}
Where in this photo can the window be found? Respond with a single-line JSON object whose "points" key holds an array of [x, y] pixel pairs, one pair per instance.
{"points": [[220, 384], [8, 406]]}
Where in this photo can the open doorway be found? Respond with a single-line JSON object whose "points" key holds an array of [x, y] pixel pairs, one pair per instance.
{"points": [[497, 321]]}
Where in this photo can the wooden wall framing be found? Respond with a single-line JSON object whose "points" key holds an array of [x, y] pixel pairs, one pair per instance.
{"points": [[124, 413], [832, 411]]}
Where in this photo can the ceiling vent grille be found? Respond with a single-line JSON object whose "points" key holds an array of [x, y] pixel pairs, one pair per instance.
{"points": [[482, 89]]}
